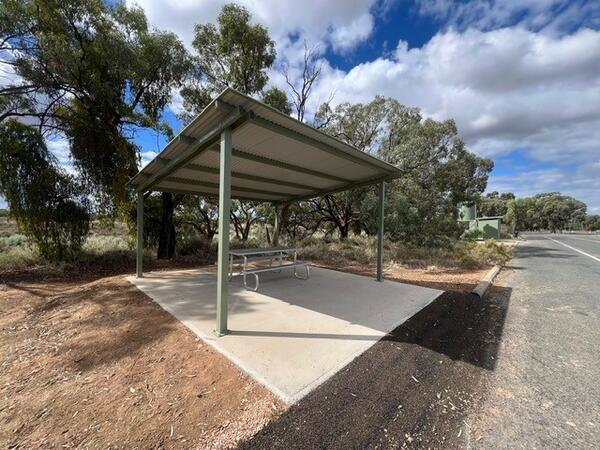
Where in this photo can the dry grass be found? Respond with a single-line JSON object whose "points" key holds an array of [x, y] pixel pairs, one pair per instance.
{"points": [[362, 250]]}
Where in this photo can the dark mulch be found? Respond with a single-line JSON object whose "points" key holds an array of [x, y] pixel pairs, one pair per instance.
{"points": [[413, 389]]}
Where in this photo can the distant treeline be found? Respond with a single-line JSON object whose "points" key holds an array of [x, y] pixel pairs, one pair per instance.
{"points": [[551, 211]]}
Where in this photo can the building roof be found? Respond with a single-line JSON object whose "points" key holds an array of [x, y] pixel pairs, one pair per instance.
{"points": [[275, 158]]}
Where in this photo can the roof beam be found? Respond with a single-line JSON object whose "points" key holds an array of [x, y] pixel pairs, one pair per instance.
{"points": [[208, 184], [209, 194], [246, 176], [276, 128], [234, 119], [282, 165], [356, 184]]}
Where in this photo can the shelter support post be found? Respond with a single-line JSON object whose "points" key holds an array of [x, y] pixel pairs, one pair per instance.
{"points": [[139, 261], [380, 217], [224, 211], [277, 225]]}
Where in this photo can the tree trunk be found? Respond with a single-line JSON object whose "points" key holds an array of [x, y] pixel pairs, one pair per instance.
{"points": [[284, 213], [343, 231], [166, 238]]}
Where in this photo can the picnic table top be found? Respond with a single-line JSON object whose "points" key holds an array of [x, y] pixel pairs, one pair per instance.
{"points": [[259, 250]]}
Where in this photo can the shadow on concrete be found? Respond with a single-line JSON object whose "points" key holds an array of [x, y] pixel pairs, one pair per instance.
{"points": [[351, 298], [418, 381]]}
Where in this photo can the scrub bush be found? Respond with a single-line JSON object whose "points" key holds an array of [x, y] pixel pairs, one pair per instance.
{"points": [[45, 201]]}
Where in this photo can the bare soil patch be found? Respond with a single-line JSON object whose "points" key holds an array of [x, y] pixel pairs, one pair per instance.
{"points": [[444, 279], [99, 365]]}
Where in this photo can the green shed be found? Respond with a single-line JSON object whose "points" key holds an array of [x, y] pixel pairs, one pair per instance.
{"points": [[467, 212], [489, 227]]}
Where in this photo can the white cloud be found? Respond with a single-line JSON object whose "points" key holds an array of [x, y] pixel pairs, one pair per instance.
{"points": [[549, 16], [339, 23], [507, 88], [336, 24], [347, 37], [147, 156], [59, 146], [532, 85]]}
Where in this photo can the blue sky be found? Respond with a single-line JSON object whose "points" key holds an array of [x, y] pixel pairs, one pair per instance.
{"points": [[520, 78]]}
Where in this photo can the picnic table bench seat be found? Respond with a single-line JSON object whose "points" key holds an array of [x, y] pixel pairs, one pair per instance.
{"points": [[244, 256]]}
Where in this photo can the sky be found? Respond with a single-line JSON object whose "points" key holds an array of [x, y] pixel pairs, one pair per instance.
{"points": [[520, 78]]}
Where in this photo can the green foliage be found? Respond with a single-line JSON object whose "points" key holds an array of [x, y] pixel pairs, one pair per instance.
{"points": [[200, 247], [439, 173], [592, 222], [234, 53], [494, 204], [547, 211], [472, 235], [276, 98], [362, 250], [95, 72], [45, 201]]}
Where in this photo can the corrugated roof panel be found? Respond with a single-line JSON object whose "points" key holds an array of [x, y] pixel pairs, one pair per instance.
{"points": [[237, 181], [211, 159], [312, 159]]}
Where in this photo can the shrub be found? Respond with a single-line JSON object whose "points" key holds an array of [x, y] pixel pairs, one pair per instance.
{"points": [[472, 235], [481, 254], [197, 246], [18, 256], [42, 198]]}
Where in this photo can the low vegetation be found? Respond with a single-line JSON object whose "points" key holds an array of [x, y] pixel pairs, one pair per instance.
{"points": [[109, 249]]}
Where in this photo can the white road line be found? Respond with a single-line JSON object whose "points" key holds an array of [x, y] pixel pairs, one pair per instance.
{"points": [[576, 249], [597, 241]]}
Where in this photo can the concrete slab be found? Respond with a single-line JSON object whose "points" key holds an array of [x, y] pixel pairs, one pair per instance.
{"points": [[292, 335]]}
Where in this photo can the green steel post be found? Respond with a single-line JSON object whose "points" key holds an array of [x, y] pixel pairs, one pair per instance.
{"points": [[224, 210], [139, 262], [276, 228], [380, 231]]}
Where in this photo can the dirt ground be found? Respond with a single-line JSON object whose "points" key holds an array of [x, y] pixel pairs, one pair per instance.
{"points": [[460, 280], [96, 364], [99, 365]]}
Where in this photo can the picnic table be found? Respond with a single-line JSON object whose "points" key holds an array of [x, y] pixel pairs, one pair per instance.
{"points": [[278, 258]]}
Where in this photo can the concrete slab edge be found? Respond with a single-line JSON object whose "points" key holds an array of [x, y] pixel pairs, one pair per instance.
{"points": [[330, 373], [289, 400], [212, 341]]}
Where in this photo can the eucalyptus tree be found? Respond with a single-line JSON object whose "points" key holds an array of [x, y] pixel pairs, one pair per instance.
{"points": [[233, 53], [277, 99], [437, 171], [93, 72]]}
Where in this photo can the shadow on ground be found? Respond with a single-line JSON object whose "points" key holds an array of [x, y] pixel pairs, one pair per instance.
{"points": [[100, 322], [413, 388]]}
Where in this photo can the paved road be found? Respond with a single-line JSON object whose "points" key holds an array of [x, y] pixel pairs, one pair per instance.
{"points": [[545, 391]]}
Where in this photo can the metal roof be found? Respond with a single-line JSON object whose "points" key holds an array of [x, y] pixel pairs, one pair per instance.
{"points": [[275, 158]]}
